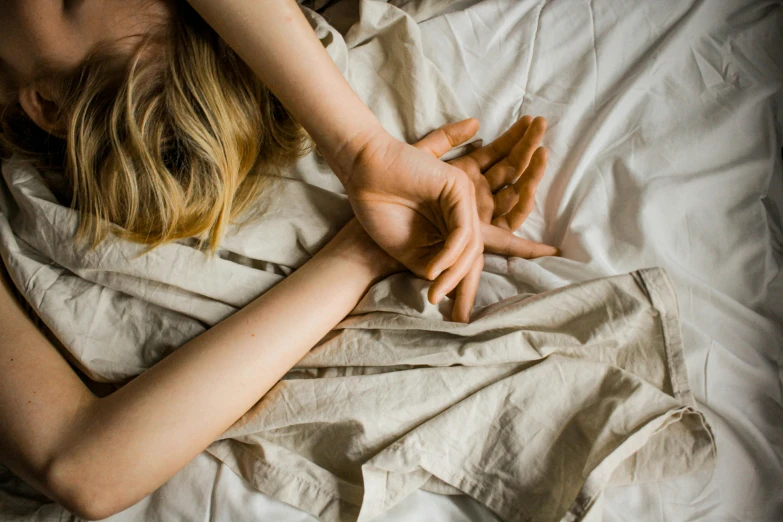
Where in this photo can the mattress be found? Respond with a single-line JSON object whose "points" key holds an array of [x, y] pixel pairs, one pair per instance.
{"points": [[665, 150]]}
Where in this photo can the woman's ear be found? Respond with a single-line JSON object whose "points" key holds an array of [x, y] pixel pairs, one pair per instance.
{"points": [[40, 106]]}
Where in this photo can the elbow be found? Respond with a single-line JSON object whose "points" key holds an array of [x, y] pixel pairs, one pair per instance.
{"points": [[89, 510], [80, 491]]}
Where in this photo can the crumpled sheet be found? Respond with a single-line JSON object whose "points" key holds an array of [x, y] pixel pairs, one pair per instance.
{"points": [[533, 409], [665, 136]]}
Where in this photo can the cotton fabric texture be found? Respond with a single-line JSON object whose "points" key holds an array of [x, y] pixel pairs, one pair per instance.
{"points": [[533, 409]]}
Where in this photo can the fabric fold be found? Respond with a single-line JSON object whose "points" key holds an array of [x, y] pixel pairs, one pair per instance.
{"points": [[534, 408]]}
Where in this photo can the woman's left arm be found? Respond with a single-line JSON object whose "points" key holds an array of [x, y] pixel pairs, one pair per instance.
{"points": [[389, 183]]}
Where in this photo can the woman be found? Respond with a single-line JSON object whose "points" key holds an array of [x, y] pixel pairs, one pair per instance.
{"points": [[65, 63], [157, 124]]}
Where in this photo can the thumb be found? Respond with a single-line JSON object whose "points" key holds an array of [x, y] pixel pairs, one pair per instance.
{"points": [[445, 138]]}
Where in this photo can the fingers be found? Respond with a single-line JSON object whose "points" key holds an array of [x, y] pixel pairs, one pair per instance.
{"points": [[477, 162], [505, 243], [518, 159], [505, 200], [490, 154], [523, 191], [466, 293], [458, 206], [525, 188], [514, 159], [452, 276], [445, 138], [485, 203], [455, 244]]}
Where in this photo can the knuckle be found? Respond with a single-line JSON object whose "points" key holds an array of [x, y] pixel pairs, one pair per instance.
{"points": [[443, 136]]}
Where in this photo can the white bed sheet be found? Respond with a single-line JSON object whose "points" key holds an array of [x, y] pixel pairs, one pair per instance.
{"points": [[665, 150]]}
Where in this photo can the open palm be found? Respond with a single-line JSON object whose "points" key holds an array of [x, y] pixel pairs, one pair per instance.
{"points": [[432, 237], [489, 191]]}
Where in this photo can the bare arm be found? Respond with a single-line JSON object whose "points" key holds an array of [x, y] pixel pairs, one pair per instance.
{"points": [[400, 195], [99, 456], [276, 41], [388, 182]]}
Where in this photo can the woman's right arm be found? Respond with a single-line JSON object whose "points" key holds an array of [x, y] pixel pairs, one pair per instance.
{"points": [[97, 456]]}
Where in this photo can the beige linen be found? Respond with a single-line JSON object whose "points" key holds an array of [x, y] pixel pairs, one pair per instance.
{"points": [[532, 409]]}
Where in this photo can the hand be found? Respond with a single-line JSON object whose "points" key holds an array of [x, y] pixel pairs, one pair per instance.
{"points": [[420, 210], [505, 175], [511, 166]]}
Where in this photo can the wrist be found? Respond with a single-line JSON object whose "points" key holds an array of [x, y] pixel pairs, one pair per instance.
{"points": [[362, 266], [353, 248], [365, 257], [378, 264], [356, 149]]}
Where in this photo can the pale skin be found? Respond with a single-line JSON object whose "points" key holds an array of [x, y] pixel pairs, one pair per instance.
{"points": [[423, 212], [98, 456]]}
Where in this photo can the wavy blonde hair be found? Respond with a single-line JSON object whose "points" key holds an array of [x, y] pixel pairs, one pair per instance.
{"points": [[172, 143]]}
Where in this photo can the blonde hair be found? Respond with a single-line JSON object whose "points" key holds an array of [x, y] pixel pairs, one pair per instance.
{"points": [[170, 144]]}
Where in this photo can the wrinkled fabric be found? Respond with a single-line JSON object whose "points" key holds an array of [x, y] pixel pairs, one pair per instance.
{"points": [[664, 143], [533, 409]]}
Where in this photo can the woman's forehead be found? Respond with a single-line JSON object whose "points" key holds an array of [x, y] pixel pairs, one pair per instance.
{"points": [[42, 34]]}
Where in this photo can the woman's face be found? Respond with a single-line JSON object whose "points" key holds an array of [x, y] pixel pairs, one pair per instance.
{"points": [[40, 34]]}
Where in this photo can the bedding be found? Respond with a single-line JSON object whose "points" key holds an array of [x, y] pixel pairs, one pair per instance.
{"points": [[664, 151]]}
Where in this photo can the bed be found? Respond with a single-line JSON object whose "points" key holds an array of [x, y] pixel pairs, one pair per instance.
{"points": [[665, 150]]}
